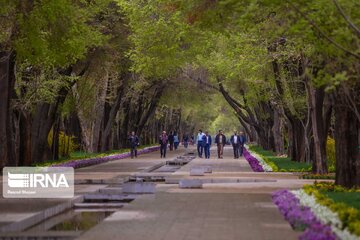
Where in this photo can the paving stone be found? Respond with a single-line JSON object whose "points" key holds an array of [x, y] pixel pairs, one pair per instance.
{"points": [[139, 187], [196, 171], [190, 183]]}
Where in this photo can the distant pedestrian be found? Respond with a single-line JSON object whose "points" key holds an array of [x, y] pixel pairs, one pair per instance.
{"points": [[235, 142], [207, 144], [186, 140], [242, 141], [163, 141], [171, 141], [134, 143], [176, 141], [220, 141], [200, 143]]}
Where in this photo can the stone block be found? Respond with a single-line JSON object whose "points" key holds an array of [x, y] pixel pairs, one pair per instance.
{"points": [[197, 171], [190, 183], [139, 187], [207, 169]]}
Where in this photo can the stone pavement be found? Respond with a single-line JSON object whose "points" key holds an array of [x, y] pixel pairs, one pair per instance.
{"points": [[237, 206], [234, 203], [18, 214]]}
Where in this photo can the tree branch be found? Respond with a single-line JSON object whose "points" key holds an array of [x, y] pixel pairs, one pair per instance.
{"points": [[321, 32], [347, 19]]}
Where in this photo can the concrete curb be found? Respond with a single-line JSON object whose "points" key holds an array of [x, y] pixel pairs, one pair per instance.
{"points": [[41, 216]]}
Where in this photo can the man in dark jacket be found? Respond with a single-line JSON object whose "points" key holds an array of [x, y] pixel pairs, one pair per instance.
{"points": [[163, 141], [235, 142], [220, 141], [134, 143], [242, 141], [207, 144], [171, 141]]}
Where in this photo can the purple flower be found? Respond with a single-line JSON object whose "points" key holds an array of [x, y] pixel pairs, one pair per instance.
{"points": [[301, 217], [93, 161], [254, 163]]}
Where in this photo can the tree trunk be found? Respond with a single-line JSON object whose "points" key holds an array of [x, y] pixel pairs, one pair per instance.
{"points": [[25, 140], [7, 80], [55, 140], [347, 142], [113, 112], [298, 141], [43, 120], [318, 128], [151, 109], [278, 138]]}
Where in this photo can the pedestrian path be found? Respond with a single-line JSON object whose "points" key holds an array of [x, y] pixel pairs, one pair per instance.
{"points": [[225, 210], [234, 203]]}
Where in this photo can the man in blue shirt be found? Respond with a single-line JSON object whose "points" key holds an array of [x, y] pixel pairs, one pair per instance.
{"points": [[242, 141], [200, 143], [207, 144]]}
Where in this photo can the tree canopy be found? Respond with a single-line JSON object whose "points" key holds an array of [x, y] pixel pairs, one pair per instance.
{"points": [[285, 72]]}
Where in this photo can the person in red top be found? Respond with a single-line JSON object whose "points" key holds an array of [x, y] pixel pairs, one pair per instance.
{"points": [[163, 141]]}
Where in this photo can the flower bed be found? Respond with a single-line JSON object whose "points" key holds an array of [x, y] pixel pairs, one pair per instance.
{"points": [[318, 176], [93, 161], [301, 217], [311, 210], [279, 163], [349, 217], [256, 162]]}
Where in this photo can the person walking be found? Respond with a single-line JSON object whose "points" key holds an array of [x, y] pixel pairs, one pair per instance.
{"points": [[242, 141], [207, 144], [176, 141], [186, 141], [200, 146], [171, 141], [163, 141], [235, 142], [220, 141], [134, 143]]}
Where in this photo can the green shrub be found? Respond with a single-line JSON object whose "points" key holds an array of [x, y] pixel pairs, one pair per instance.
{"points": [[67, 144], [330, 152], [337, 198]]}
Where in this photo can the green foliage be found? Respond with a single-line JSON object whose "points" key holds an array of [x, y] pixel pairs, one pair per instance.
{"points": [[67, 144], [42, 84], [350, 198], [330, 153], [7, 15], [318, 176], [280, 164], [78, 155], [159, 37], [56, 33], [345, 202]]}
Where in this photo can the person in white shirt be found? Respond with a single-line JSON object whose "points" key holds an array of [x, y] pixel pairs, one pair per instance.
{"points": [[200, 143]]}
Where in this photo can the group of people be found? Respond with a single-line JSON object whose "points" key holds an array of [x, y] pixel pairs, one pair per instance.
{"points": [[204, 142], [172, 140]]}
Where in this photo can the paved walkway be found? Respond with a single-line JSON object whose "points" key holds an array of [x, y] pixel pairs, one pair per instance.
{"points": [[235, 203], [224, 210]]}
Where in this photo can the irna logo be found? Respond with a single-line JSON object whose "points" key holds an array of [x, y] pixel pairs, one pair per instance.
{"points": [[38, 182], [18, 180]]}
